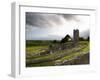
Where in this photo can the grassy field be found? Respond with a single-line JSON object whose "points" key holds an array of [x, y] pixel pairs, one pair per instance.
{"points": [[68, 56], [36, 49]]}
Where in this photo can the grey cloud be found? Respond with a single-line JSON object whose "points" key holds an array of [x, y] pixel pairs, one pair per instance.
{"points": [[47, 20], [85, 33], [39, 20], [70, 17]]}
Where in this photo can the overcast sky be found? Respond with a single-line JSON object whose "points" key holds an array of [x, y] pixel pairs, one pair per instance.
{"points": [[43, 26]]}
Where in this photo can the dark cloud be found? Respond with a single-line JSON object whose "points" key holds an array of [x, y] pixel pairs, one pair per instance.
{"points": [[70, 17], [47, 20], [39, 20]]}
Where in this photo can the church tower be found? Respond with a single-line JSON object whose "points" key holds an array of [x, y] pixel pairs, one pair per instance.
{"points": [[75, 36]]}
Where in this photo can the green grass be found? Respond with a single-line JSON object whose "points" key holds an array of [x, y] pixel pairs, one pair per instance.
{"points": [[76, 54], [36, 49], [49, 60], [38, 43], [68, 57]]}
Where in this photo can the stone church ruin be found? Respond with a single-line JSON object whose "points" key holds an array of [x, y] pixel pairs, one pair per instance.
{"points": [[61, 46]]}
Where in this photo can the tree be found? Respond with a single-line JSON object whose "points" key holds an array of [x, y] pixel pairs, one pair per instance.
{"points": [[65, 39], [54, 41], [88, 38], [81, 39]]}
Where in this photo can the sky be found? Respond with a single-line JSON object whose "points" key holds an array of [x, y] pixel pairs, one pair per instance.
{"points": [[47, 26]]}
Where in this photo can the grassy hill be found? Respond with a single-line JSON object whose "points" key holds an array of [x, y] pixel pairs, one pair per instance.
{"points": [[35, 53]]}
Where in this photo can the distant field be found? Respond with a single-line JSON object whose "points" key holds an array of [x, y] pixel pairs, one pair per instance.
{"points": [[38, 42], [68, 56]]}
